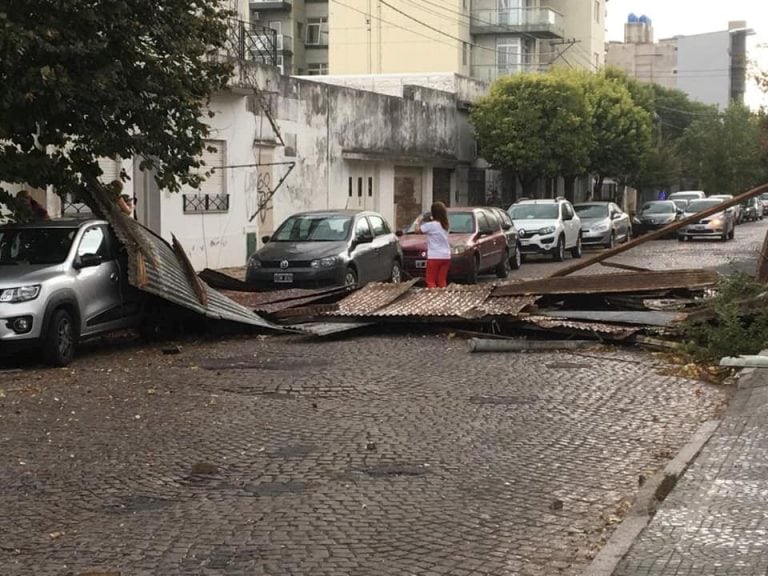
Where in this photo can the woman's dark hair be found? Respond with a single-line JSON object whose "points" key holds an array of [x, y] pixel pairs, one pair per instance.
{"points": [[440, 214]]}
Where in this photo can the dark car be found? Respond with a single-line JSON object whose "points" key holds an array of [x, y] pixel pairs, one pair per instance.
{"points": [[752, 209], [478, 244], [513, 243], [603, 224], [658, 213], [327, 248]]}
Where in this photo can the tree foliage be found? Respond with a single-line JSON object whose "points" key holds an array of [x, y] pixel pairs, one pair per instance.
{"points": [[84, 79], [535, 125], [723, 151]]}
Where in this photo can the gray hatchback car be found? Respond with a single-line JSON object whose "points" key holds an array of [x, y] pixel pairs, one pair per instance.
{"points": [[62, 281], [326, 248]]}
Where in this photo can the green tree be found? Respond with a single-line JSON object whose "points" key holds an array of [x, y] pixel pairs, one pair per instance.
{"points": [[535, 125], [84, 79], [724, 151]]}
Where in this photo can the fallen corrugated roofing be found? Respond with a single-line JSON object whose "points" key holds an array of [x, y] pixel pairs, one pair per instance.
{"points": [[275, 301], [454, 301], [612, 330], [154, 267], [638, 317], [612, 283]]}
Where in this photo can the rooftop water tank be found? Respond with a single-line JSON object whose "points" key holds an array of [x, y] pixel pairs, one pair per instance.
{"points": [[644, 20], [632, 18]]}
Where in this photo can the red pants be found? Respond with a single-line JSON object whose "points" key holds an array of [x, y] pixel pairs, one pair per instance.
{"points": [[437, 272]]}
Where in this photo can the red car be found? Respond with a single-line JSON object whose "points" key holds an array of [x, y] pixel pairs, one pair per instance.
{"points": [[478, 245]]}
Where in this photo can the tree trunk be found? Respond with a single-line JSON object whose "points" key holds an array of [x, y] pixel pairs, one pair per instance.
{"points": [[570, 185], [597, 192]]}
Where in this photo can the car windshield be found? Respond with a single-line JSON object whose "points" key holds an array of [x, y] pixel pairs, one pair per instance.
{"points": [[458, 223], [658, 208], [591, 210], [699, 205], [534, 211], [314, 228], [35, 245]]}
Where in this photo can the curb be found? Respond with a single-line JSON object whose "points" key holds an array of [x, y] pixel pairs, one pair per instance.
{"points": [[648, 498]]}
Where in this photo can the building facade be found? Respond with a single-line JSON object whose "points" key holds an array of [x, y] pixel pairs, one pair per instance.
{"points": [[483, 39], [711, 68]]}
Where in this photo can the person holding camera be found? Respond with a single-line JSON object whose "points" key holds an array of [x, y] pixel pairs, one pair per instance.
{"points": [[438, 246]]}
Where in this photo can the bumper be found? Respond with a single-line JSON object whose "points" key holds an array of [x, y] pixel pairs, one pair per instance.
{"points": [[12, 340], [701, 230], [276, 278], [461, 265], [588, 237], [538, 245]]}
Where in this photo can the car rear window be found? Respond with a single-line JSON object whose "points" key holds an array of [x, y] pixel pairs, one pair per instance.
{"points": [[658, 208], [699, 205]]}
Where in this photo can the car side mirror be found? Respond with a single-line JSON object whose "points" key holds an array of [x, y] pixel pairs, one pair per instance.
{"points": [[266, 238], [86, 261], [617, 215], [362, 240], [398, 233]]}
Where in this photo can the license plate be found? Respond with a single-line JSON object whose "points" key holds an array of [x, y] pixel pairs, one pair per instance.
{"points": [[421, 263], [524, 242], [283, 278], [698, 228]]}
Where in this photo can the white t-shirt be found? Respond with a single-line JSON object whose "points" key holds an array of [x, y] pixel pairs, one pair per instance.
{"points": [[438, 247]]}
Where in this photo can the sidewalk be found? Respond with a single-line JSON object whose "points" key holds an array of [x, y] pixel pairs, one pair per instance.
{"points": [[715, 521]]}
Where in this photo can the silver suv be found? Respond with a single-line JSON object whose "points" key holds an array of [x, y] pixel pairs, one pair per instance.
{"points": [[547, 226], [62, 281]]}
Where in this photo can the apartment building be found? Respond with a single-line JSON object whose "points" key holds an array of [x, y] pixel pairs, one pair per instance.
{"points": [[710, 68], [483, 39]]}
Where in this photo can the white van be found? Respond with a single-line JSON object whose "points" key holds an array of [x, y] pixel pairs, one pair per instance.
{"points": [[687, 195]]}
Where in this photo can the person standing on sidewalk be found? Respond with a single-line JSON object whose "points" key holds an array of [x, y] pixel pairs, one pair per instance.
{"points": [[438, 247]]}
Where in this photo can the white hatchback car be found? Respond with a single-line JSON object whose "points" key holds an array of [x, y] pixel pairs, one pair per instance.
{"points": [[547, 226]]}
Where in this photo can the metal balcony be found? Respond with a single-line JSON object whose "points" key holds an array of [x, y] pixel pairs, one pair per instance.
{"points": [[492, 72], [270, 5], [284, 44], [538, 22], [246, 42]]}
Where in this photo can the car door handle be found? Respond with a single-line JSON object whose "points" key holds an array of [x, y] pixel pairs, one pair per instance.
{"points": [[114, 277]]}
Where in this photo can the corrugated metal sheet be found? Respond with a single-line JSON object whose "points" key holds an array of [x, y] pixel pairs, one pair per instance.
{"points": [[612, 283], [455, 301], [612, 330], [328, 328], [271, 302], [640, 317], [372, 297], [154, 267]]}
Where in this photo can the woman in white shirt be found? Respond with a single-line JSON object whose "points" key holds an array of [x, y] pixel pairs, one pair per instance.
{"points": [[438, 247]]}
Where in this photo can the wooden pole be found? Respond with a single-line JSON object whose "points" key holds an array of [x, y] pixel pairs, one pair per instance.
{"points": [[605, 254]]}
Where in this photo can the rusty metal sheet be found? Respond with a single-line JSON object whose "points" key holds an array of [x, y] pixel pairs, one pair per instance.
{"points": [[154, 267], [612, 330], [271, 302], [613, 283], [372, 297], [508, 305], [328, 328], [453, 301], [638, 317]]}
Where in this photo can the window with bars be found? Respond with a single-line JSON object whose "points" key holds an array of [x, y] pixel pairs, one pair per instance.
{"points": [[317, 31], [205, 203]]}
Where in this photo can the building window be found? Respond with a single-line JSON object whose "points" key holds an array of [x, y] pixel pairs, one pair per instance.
{"points": [[317, 69], [370, 187], [597, 10], [360, 187], [212, 195], [300, 30], [317, 32], [464, 53], [509, 55], [350, 186]]}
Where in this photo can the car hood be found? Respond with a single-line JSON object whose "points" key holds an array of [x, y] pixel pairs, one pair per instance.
{"points": [[588, 222], [658, 216], [711, 216], [300, 250], [533, 224], [14, 275], [411, 242]]}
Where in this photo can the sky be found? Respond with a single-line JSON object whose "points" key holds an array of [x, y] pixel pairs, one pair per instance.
{"points": [[685, 17]]}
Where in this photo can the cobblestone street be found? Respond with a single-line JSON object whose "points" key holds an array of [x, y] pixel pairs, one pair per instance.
{"points": [[386, 454]]}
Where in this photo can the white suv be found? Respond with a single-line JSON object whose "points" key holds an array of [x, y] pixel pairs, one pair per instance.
{"points": [[547, 226]]}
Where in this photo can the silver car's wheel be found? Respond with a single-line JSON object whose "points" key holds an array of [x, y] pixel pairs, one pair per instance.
{"points": [[60, 339]]}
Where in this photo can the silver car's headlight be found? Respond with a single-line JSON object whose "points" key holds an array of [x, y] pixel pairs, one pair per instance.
{"points": [[324, 262], [547, 230], [601, 227], [20, 294]]}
